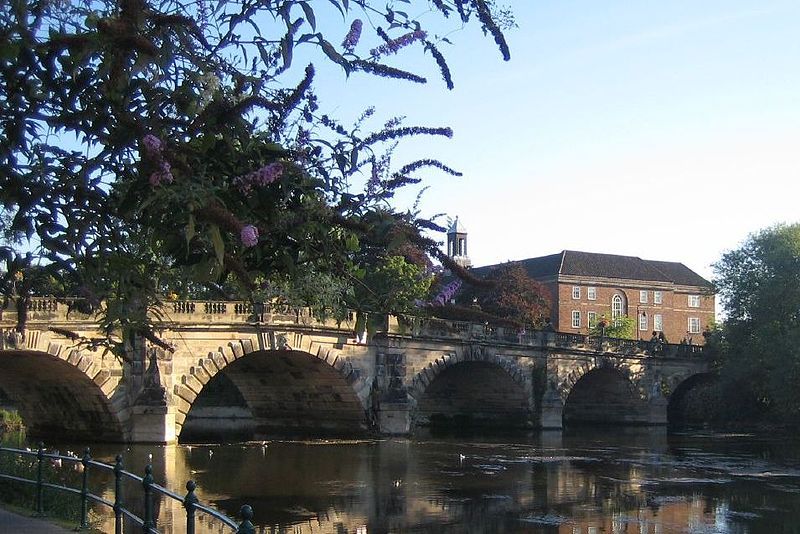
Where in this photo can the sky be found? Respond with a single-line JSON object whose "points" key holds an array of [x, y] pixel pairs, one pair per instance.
{"points": [[664, 130]]}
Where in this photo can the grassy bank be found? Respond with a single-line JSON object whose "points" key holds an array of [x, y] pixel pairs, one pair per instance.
{"points": [[10, 421]]}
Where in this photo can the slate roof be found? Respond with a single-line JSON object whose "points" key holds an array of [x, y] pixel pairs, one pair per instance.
{"points": [[592, 264]]}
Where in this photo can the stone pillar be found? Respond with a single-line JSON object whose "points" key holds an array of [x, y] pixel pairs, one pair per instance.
{"points": [[552, 408], [391, 405], [656, 403], [153, 424], [394, 418], [152, 414]]}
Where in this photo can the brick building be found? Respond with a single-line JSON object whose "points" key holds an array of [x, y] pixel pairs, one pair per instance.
{"points": [[662, 296]]}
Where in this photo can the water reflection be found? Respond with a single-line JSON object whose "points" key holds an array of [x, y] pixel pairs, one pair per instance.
{"points": [[636, 480]]}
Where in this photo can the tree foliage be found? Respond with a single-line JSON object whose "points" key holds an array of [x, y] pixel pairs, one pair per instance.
{"points": [[153, 144], [506, 295], [622, 327], [758, 347]]}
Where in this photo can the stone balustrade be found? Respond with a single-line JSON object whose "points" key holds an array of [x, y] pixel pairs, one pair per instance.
{"points": [[51, 310]]}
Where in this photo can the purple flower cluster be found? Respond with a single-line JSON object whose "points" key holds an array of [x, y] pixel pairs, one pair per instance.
{"points": [[392, 46], [375, 178], [447, 293], [152, 145], [352, 37], [163, 174], [263, 176], [154, 150], [249, 235]]}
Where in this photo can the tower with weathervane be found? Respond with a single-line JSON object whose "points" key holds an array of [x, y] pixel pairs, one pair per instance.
{"points": [[457, 244]]}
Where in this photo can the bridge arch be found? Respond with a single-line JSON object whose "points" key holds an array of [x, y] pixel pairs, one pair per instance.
{"points": [[472, 386], [310, 388], [63, 392], [603, 392], [682, 408]]}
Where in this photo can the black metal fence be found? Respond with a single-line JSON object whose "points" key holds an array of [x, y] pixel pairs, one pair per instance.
{"points": [[121, 512]]}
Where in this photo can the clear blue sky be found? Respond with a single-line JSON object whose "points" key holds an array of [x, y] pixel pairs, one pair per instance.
{"points": [[665, 130]]}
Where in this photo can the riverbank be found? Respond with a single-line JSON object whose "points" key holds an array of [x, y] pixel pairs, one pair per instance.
{"points": [[14, 519], [10, 421]]}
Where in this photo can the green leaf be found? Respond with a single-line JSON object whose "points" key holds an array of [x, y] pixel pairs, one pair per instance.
{"points": [[309, 11], [219, 244], [190, 230]]}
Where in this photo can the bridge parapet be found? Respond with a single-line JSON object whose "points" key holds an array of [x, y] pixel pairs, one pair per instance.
{"points": [[205, 312]]}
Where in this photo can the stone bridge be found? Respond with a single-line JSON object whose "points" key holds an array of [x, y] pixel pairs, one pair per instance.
{"points": [[236, 374]]}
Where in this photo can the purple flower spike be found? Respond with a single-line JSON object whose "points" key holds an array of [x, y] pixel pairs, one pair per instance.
{"points": [[152, 144], [249, 236], [352, 37]]}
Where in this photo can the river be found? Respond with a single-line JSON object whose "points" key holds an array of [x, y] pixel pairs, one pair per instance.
{"points": [[641, 480]]}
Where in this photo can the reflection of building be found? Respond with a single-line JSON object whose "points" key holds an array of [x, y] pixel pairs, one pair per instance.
{"points": [[662, 296]]}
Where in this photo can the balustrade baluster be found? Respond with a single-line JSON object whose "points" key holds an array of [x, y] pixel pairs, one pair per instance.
{"points": [[85, 490], [190, 502], [147, 484], [118, 495], [39, 479], [246, 526]]}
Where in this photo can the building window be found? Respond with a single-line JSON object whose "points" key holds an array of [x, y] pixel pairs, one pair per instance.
{"points": [[591, 319], [658, 323], [658, 297], [591, 293], [643, 297], [643, 321], [694, 301], [617, 308], [576, 292], [694, 325], [576, 319]]}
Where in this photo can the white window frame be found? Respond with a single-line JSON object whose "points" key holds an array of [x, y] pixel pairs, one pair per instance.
{"points": [[591, 319], [617, 311], [658, 297], [576, 319], [576, 292], [658, 322], [642, 296], [591, 293], [643, 322], [693, 325], [694, 301]]}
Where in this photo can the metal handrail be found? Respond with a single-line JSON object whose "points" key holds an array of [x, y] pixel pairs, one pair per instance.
{"points": [[148, 523]]}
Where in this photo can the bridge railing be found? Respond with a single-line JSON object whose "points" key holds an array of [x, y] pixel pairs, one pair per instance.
{"points": [[442, 328], [204, 311], [147, 523]]}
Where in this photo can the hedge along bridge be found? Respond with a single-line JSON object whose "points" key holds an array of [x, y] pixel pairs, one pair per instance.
{"points": [[236, 373]]}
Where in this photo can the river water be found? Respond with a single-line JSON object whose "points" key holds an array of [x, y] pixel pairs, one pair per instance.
{"points": [[640, 480]]}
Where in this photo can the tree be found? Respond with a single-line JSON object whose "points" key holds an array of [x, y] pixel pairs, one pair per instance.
{"points": [[622, 327], [506, 295], [151, 144], [758, 350]]}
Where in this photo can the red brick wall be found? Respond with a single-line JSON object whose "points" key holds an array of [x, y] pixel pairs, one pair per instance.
{"points": [[674, 309]]}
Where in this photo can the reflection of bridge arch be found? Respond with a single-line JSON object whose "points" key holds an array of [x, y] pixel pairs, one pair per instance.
{"points": [[313, 388], [63, 393], [472, 386], [603, 394]]}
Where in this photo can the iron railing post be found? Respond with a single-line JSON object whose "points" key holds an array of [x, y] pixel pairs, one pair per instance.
{"points": [[87, 457], [39, 479], [118, 495], [189, 502], [246, 526], [147, 483]]}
